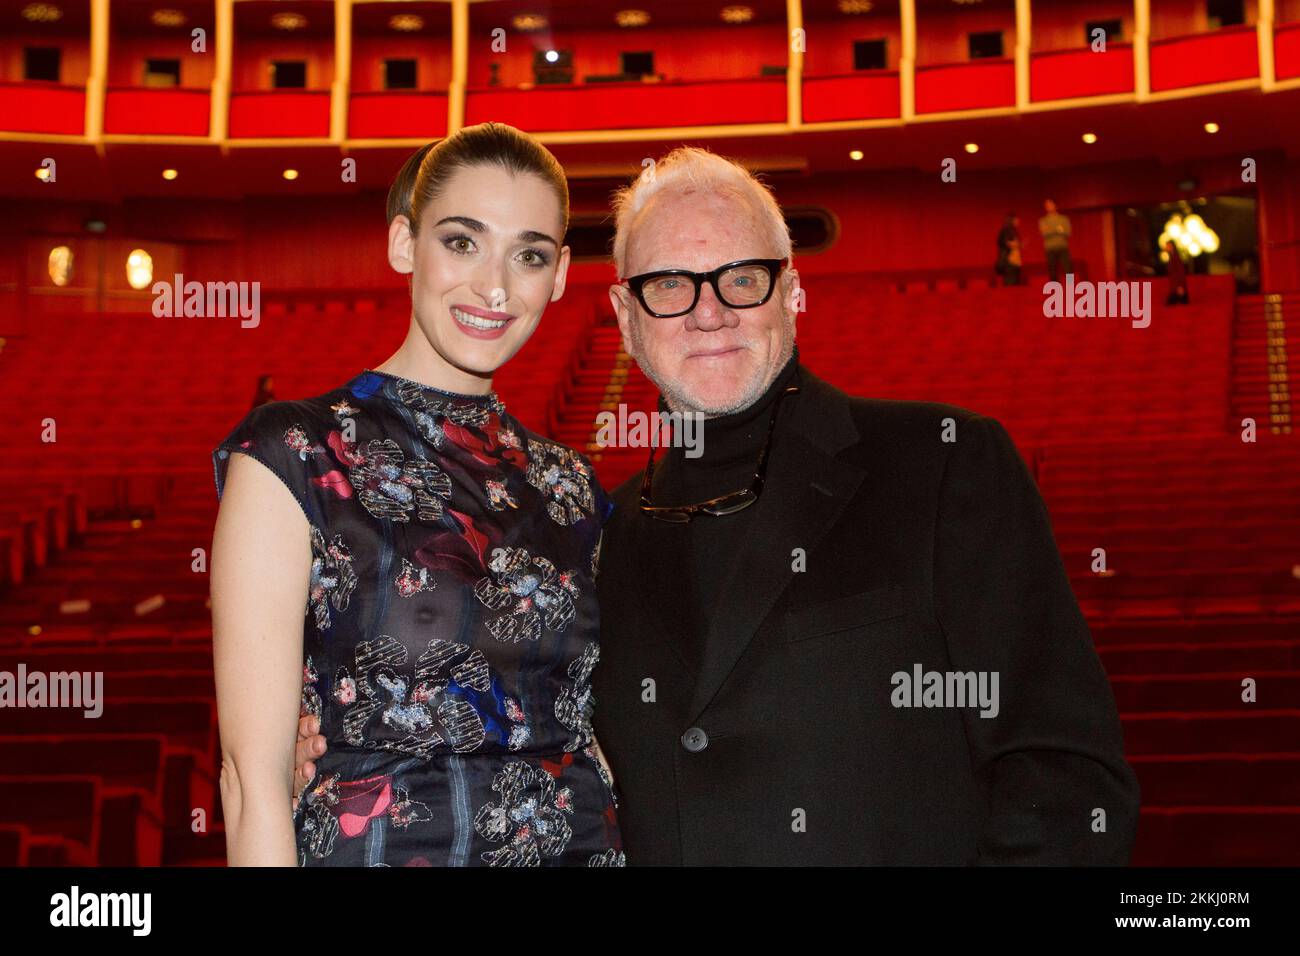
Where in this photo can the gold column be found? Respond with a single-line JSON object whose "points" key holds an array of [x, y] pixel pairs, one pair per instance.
{"points": [[224, 51], [459, 65], [1264, 34], [907, 61], [342, 84], [97, 76], [794, 70], [1024, 32], [1142, 49]]}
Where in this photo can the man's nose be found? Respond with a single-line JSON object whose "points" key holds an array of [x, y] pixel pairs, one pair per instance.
{"points": [[709, 313]]}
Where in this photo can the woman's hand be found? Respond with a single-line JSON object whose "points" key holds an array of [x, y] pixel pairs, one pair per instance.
{"points": [[311, 743], [600, 755]]}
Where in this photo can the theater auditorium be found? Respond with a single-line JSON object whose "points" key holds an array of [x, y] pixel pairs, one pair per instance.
{"points": [[247, 147]]}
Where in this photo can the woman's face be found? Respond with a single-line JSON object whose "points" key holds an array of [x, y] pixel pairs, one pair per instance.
{"points": [[485, 264]]}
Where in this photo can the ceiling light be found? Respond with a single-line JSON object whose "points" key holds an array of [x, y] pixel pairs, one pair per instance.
{"points": [[42, 13], [288, 21], [406, 22], [167, 18]]}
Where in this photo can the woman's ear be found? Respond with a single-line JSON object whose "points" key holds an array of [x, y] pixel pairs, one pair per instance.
{"points": [[561, 274], [401, 245]]}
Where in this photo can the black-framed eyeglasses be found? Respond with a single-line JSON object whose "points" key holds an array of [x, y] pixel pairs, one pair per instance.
{"points": [[743, 284], [726, 504]]}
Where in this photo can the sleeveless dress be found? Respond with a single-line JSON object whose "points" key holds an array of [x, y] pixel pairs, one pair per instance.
{"points": [[450, 630]]}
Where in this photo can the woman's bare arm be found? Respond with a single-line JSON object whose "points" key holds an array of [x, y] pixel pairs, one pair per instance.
{"points": [[261, 570]]}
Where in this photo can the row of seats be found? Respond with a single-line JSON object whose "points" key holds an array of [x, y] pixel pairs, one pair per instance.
{"points": [[1199, 530]]}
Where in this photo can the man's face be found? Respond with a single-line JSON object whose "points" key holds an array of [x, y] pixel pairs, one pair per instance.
{"points": [[1049, 207], [715, 359]]}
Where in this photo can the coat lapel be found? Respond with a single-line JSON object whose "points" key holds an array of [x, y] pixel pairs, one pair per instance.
{"points": [[805, 493], [652, 560]]}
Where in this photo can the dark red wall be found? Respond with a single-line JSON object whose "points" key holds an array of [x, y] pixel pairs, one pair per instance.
{"points": [[889, 222]]}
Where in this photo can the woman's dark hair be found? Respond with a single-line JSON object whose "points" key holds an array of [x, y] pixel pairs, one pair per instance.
{"points": [[426, 172]]}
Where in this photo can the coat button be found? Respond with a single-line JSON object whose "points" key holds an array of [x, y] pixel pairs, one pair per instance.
{"points": [[695, 740]]}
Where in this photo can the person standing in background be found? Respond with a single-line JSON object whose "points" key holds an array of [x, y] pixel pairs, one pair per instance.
{"points": [[1177, 273], [1055, 229], [1009, 258], [265, 391]]}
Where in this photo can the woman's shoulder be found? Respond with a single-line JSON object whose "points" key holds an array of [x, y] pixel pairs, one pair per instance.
{"points": [[540, 444], [545, 453]]}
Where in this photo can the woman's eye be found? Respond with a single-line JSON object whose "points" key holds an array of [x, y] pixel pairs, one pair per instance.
{"points": [[534, 258], [459, 244]]}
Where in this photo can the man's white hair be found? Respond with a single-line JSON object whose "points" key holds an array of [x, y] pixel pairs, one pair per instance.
{"points": [[690, 167]]}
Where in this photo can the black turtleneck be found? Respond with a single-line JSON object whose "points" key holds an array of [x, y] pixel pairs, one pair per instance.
{"points": [[731, 445]]}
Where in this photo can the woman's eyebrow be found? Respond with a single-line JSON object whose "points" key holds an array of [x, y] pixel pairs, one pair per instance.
{"points": [[527, 235]]}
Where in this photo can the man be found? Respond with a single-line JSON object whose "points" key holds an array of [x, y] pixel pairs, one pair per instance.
{"points": [[1177, 273], [765, 691], [1055, 228]]}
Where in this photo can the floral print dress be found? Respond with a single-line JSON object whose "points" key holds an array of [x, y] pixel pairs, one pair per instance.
{"points": [[450, 628]]}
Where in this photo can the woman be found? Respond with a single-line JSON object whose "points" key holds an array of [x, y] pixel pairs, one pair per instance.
{"points": [[1009, 261], [416, 569]]}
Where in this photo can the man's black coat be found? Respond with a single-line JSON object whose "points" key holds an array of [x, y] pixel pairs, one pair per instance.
{"points": [[786, 746]]}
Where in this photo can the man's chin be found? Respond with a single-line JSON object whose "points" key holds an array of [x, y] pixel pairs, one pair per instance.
{"points": [[715, 398]]}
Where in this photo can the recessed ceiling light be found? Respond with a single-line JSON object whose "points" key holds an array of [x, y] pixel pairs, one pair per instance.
{"points": [[167, 18], [529, 21], [1211, 127], [42, 13], [406, 22], [1090, 138], [972, 147], [855, 6], [169, 174], [855, 154], [632, 18], [288, 21], [737, 13], [290, 174]]}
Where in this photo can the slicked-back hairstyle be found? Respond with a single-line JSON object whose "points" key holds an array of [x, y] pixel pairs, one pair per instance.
{"points": [[426, 172]]}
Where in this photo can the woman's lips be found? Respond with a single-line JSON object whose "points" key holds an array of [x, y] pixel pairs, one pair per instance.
{"points": [[481, 323]]}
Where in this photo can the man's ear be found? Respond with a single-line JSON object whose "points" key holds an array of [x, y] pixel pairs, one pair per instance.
{"points": [[401, 245], [621, 299], [794, 295], [561, 274]]}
